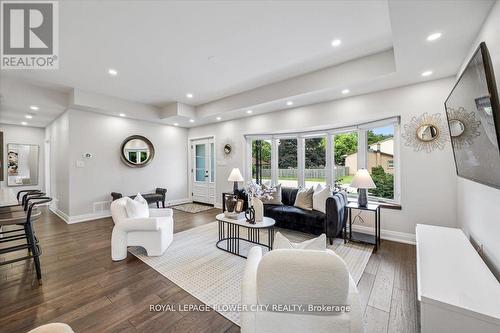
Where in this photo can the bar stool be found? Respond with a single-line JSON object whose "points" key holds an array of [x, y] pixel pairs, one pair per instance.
{"points": [[26, 219]]}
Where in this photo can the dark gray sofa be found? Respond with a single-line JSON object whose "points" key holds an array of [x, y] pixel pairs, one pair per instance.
{"points": [[309, 221]]}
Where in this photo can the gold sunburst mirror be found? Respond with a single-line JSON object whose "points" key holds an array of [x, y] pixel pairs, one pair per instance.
{"points": [[425, 133]]}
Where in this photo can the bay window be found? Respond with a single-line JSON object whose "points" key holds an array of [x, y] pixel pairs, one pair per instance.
{"points": [[329, 157]]}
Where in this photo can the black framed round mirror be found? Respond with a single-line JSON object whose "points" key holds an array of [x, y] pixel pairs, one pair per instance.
{"points": [[227, 149], [137, 151]]}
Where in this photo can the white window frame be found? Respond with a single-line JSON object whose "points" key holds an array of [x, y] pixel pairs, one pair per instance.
{"points": [[361, 129]]}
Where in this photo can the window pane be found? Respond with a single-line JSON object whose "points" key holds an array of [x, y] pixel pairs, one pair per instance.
{"points": [[212, 162], [200, 163], [287, 162], [346, 160], [315, 161], [261, 161], [380, 160]]}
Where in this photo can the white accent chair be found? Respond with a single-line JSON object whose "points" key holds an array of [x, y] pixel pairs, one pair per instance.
{"points": [[53, 328], [154, 233], [293, 276]]}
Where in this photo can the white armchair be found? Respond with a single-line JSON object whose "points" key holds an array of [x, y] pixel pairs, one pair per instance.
{"points": [[302, 277], [154, 233]]}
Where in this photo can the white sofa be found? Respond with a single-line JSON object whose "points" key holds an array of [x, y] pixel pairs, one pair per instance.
{"points": [[292, 276], [154, 233]]}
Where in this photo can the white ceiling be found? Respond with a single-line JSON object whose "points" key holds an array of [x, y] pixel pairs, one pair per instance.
{"points": [[219, 51]]}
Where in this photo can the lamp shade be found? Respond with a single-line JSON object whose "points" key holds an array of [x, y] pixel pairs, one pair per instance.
{"points": [[235, 176], [362, 179]]}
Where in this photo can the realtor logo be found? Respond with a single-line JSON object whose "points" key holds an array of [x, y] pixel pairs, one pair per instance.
{"points": [[29, 35]]}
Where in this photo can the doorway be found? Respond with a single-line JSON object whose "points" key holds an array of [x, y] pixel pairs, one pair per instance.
{"points": [[203, 170]]}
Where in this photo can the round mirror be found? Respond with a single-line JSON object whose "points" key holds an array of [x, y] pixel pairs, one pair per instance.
{"points": [[427, 132], [227, 149], [456, 127], [137, 151]]}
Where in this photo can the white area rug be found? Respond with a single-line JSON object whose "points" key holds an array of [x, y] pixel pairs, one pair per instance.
{"points": [[192, 207], [214, 277]]}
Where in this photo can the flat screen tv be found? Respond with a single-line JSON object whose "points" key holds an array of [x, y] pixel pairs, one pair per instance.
{"points": [[473, 114]]}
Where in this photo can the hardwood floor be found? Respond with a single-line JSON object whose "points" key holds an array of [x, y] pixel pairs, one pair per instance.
{"points": [[84, 288]]}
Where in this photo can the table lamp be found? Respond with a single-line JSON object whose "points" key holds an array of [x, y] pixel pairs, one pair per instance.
{"points": [[362, 181], [235, 176]]}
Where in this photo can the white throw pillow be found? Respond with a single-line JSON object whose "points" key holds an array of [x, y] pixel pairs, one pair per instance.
{"points": [[137, 208], [320, 197], [281, 242], [304, 198]]}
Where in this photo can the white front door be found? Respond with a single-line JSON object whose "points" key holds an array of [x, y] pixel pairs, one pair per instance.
{"points": [[203, 170]]}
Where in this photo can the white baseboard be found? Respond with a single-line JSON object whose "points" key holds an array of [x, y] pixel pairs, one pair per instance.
{"points": [[60, 213], [89, 217], [395, 236], [178, 202], [99, 215]]}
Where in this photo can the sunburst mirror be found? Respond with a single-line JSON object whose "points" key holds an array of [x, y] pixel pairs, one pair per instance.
{"points": [[425, 133]]}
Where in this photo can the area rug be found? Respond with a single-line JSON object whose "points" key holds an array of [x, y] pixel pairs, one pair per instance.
{"points": [[192, 207], [213, 276]]}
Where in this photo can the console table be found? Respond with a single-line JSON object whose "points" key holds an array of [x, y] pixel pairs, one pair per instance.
{"points": [[456, 290]]}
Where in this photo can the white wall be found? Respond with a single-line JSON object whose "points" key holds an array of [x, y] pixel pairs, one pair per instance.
{"points": [[478, 205], [102, 136], [26, 135], [57, 133], [428, 184]]}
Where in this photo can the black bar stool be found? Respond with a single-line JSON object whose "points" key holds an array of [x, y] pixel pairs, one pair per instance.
{"points": [[26, 219]]}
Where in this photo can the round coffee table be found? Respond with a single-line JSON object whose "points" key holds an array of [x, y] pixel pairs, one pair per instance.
{"points": [[229, 232]]}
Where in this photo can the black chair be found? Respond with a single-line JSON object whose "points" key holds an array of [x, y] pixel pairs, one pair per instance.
{"points": [[24, 218]]}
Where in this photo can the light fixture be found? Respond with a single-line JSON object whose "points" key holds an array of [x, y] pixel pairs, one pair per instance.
{"points": [[112, 72], [189, 95], [345, 91], [235, 177], [28, 116], [34, 108], [218, 118], [249, 111], [176, 124], [433, 37], [24, 123], [426, 73], [122, 115], [336, 42], [362, 181], [289, 103], [191, 120]]}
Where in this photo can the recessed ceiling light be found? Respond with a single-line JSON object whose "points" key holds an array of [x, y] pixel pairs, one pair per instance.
{"points": [[345, 91], [189, 95], [176, 124], [191, 120], [28, 116], [34, 108], [218, 118], [24, 123], [434, 36], [122, 114], [112, 72], [249, 111], [289, 103], [336, 42], [427, 73]]}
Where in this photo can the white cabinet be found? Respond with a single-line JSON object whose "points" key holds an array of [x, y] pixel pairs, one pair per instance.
{"points": [[456, 290]]}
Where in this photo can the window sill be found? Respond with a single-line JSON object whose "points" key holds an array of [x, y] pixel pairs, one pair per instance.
{"points": [[383, 204]]}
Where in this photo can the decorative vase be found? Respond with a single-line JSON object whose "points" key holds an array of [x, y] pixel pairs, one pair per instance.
{"points": [[230, 203], [258, 206]]}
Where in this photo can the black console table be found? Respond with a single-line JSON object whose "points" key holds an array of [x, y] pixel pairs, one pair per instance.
{"points": [[361, 237]]}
